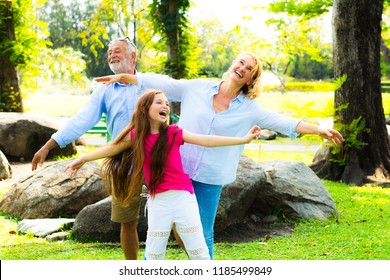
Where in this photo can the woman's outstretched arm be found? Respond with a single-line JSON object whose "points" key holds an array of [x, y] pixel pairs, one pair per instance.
{"points": [[327, 133], [120, 78]]}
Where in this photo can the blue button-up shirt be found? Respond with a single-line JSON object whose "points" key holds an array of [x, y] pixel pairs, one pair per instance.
{"points": [[116, 101], [215, 165]]}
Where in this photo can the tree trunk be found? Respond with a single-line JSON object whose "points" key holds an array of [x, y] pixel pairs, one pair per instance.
{"points": [[356, 43], [10, 96], [173, 44]]}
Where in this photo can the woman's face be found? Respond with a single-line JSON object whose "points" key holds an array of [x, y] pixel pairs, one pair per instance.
{"points": [[241, 68], [159, 110]]}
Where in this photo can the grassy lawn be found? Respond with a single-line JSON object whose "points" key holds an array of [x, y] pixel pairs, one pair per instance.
{"points": [[54, 106], [361, 232]]}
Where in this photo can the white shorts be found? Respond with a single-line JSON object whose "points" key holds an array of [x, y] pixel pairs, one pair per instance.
{"points": [[179, 208]]}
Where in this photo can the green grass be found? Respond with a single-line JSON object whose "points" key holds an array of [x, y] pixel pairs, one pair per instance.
{"points": [[361, 232], [262, 156]]}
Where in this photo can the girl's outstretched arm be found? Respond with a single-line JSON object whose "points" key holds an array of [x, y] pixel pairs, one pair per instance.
{"points": [[120, 78], [108, 150], [215, 140]]}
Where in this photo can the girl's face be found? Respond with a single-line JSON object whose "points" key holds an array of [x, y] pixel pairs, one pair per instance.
{"points": [[159, 110], [241, 68]]}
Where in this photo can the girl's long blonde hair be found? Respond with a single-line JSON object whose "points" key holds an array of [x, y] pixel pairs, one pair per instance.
{"points": [[123, 172]]}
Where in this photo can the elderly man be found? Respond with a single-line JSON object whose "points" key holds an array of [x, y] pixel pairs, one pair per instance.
{"points": [[117, 101]]}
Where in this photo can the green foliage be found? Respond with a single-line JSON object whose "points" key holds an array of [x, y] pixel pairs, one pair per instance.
{"points": [[218, 47], [28, 46], [297, 38], [307, 9], [352, 133], [386, 103], [107, 18], [170, 21], [9, 101], [68, 24], [65, 65], [338, 82], [385, 72], [21, 47], [305, 67]]}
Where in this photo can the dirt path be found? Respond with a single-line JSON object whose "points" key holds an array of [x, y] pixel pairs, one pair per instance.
{"points": [[20, 170]]}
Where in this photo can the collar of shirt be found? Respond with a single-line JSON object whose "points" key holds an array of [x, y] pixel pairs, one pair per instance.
{"points": [[240, 97]]}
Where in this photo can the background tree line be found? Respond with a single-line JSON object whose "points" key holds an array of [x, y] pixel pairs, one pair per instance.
{"points": [[74, 37], [54, 39]]}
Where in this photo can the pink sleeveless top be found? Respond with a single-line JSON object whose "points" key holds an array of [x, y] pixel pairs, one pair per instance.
{"points": [[174, 177]]}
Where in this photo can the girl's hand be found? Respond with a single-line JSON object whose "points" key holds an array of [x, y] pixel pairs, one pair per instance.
{"points": [[75, 166], [254, 133]]}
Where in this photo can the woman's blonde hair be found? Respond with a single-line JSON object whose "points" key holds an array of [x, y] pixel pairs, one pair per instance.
{"points": [[254, 89]]}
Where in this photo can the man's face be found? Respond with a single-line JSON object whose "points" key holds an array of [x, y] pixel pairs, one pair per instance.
{"points": [[118, 60]]}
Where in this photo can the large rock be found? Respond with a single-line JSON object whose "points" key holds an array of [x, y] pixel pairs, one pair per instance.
{"points": [[294, 190], [22, 134], [5, 168], [52, 193], [93, 223], [43, 227], [238, 197]]}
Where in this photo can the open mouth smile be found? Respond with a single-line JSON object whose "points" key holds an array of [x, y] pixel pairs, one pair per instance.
{"points": [[163, 113], [115, 60], [238, 74]]}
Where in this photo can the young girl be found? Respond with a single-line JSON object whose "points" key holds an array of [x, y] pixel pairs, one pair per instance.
{"points": [[150, 148]]}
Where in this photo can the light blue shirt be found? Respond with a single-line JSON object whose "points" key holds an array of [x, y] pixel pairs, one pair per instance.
{"points": [[116, 101], [216, 165]]}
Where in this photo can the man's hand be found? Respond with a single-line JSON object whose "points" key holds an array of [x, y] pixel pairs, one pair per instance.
{"points": [[40, 156]]}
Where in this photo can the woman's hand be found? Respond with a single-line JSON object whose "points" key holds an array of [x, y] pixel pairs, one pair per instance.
{"points": [[124, 79], [110, 79], [330, 134]]}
